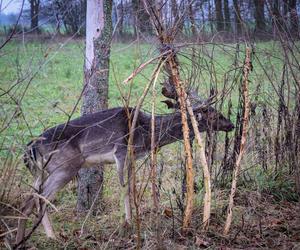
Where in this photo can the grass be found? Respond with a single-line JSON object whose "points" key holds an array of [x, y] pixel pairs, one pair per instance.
{"points": [[52, 73]]}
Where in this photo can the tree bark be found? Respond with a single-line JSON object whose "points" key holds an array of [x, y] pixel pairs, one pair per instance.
{"points": [[227, 16], [95, 98], [34, 15], [219, 15], [259, 15]]}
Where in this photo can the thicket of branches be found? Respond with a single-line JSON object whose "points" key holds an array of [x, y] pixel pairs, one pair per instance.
{"points": [[272, 113]]}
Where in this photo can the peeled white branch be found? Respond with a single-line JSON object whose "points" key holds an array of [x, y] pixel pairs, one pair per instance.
{"points": [[245, 93]]}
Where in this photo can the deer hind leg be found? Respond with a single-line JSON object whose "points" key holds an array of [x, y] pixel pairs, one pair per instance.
{"points": [[26, 210], [120, 162], [55, 182]]}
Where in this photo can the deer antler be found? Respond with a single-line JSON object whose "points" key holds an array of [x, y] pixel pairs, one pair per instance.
{"points": [[168, 90], [203, 103]]}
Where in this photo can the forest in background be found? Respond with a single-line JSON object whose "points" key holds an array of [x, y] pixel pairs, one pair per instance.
{"points": [[196, 19], [42, 58]]}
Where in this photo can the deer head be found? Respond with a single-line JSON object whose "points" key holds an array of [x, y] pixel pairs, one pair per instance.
{"points": [[211, 119]]}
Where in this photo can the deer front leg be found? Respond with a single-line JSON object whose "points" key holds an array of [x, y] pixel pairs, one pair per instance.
{"points": [[27, 209], [46, 221], [120, 162]]}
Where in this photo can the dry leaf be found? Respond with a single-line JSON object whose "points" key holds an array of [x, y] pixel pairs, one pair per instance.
{"points": [[168, 212]]}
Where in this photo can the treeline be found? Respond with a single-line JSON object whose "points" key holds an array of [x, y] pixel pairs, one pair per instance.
{"points": [[261, 18]]}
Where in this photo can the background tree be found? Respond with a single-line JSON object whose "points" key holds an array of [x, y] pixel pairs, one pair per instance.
{"points": [[34, 15], [70, 14], [95, 98], [259, 15], [277, 20], [141, 18], [120, 18], [227, 16], [294, 26], [237, 16], [192, 19], [219, 15]]}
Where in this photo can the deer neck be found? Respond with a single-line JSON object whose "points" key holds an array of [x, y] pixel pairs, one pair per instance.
{"points": [[168, 129]]}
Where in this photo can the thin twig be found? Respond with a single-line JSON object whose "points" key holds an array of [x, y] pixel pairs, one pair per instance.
{"points": [[143, 65]]}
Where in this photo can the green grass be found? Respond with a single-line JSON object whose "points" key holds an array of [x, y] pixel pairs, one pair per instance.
{"points": [[52, 75]]}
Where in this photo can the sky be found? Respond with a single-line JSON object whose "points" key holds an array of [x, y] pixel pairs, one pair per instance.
{"points": [[11, 6]]}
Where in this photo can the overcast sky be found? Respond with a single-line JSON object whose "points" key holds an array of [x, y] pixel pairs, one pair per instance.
{"points": [[11, 6]]}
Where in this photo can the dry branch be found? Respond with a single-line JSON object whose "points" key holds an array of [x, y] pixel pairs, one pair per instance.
{"points": [[245, 121], [142, 66], [206, 173], [173, 67]]}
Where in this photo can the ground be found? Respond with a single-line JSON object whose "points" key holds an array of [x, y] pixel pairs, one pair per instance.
{"points": [[260, 221]]}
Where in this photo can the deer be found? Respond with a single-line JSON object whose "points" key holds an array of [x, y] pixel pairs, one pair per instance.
{"points": [[56, 156]]}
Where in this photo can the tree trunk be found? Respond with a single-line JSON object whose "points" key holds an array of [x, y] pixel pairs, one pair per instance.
{"points": [[120, 15], [96, 72], [259, 15], [142, 18], [285, 10], [277, 20], [238, 17], [294, 25], [34, 15], [192, 20], [219, 15], [227, 16], [210, 17]]}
